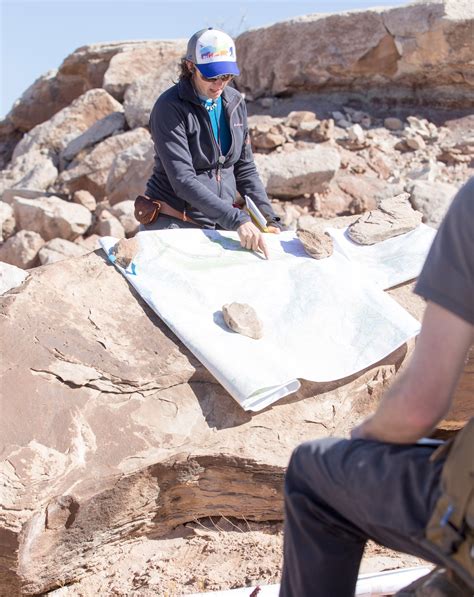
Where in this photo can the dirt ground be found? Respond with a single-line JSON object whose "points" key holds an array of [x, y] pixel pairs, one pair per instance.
{"points": [[206, 555]]}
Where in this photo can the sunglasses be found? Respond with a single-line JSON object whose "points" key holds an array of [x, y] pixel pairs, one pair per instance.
{"points": [[223, 78]]}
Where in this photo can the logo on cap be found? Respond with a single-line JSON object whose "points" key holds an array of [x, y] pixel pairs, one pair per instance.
{"points": [[211, 52]]}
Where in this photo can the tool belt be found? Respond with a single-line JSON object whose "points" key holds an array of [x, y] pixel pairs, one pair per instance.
{"points": [[450, 530], [147, 211]]}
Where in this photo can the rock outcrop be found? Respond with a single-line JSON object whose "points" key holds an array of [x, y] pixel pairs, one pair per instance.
{"points": [[123, 434], [418, 53], [288, 175], [116, 443], [91, 67]]}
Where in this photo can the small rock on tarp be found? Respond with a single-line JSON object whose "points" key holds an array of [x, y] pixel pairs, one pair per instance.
{"points": [[125, 251], [243, 319], [317, 243]]}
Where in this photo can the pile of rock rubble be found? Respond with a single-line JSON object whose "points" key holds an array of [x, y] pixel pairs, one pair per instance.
{"points": [[73, 178]]}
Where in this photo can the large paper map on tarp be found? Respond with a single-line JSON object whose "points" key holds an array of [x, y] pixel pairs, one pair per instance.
{"points": [[323, 320]]}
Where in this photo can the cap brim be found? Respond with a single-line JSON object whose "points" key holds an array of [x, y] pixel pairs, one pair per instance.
{"points": [[215, 69]]}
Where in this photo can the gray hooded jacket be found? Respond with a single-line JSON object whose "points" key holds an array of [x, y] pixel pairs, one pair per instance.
{"points": [[189, 173]]}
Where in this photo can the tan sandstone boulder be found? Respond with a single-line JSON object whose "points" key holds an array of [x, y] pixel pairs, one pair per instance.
{"points": [[432, 199], [11, 276], [287, 175], [51, 217], [56, 133], [35, 170], [135, 62], [142, 94], [101, 129], [79, 72], [59, 249], [130, 171], [419, 51], [22, 249], [7, 221], [90, 172]]}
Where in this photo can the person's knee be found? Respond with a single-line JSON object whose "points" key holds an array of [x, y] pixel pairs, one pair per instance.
{"points": [[312, 451], [309, 460]]}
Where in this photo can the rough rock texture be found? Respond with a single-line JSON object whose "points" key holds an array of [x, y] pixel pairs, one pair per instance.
{"points": [[293, 174], [35, 170], [125, 251], [142, 94], [116, 433], [101, 129], [419, 53], [317, 243], [51, 217], [129, 171], [107, 224], [125, 468], [85, 199], [364, 192], [432, 199], [21, 249], [80, 71], [59, 249], [91, 172], [243, 319], [393, 217], [10, 276], [7, 221], [136, 62], [125, 213], [57, 132], [393, 124]]}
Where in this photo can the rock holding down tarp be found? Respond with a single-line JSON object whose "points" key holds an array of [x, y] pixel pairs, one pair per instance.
{"points": [[243, 319], [393, 217], [317, 243]]}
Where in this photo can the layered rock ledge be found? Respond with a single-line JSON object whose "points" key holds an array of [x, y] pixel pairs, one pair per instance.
{"points": [[111, 430]]}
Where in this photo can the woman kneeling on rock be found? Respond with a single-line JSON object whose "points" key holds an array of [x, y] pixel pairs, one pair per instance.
{"points": [[202, 147]]}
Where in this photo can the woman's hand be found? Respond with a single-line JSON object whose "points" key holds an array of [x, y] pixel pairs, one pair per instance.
{"points": [[251, 238], [273, 229]]}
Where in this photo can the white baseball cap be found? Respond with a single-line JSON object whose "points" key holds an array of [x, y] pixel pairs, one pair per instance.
{"points": [[213, 53]]}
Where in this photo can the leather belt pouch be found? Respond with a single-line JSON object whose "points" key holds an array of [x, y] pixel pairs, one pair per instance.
{"points": [[146, 210]]}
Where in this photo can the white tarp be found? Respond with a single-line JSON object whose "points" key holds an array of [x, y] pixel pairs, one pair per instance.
{"points": [[323, 320], [378, 584]]}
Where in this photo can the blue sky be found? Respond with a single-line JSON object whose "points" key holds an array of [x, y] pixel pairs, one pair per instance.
{"points": [[37, 35]]}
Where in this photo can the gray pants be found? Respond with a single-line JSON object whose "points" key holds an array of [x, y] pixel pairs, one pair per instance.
{"points": [[338, 494], [166, 223]]}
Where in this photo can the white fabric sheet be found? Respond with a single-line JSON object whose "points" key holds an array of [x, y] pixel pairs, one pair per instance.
{"points": [[323, 320]]}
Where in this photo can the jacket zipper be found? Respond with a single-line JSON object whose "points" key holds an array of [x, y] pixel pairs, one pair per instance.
{"points": [[231, 128], [220, 157]]}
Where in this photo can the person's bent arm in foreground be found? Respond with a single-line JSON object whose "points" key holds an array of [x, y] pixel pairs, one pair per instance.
{"points": [[381, 485], [421, 395]]}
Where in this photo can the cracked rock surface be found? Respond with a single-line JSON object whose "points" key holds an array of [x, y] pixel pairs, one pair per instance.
{"points": [[317, 243], [113, 433], [393, 217]]}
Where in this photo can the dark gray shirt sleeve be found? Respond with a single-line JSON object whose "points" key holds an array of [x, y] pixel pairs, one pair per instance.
{"points": [[447, 278]]}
